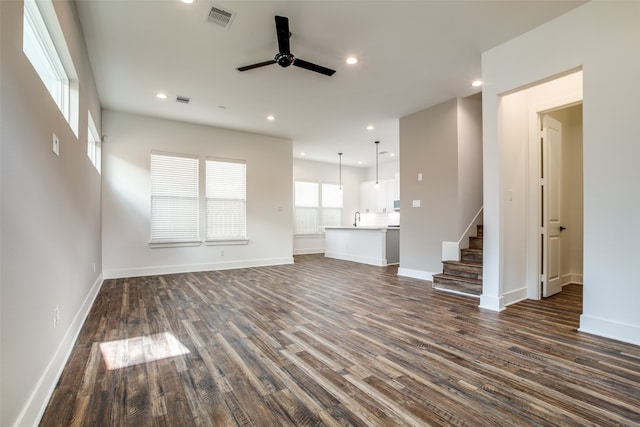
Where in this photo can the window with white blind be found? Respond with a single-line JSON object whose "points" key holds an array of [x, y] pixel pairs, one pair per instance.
{"points": [[316, 206], [174, 198], [226, 199], [331, 205], [307, 202]]}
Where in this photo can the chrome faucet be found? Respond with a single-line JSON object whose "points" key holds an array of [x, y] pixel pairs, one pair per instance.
{"points": [[356, 219]]}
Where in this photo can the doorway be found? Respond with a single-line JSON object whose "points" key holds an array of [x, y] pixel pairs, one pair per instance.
{"points": [[560, 99], [560, 203]]}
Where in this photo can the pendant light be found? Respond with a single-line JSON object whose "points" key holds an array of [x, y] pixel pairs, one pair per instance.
{"points": [[340, 157], [377, 144]]}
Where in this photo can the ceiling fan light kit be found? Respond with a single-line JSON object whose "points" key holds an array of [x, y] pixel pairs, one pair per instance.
{"points": [[284, 57]]}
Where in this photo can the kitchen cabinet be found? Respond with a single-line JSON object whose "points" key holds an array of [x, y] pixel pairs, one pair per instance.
{"points": [[379, 200]]}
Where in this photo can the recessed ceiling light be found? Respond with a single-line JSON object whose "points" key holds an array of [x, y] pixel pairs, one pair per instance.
{"points": [[392, 154], [477, 83], [161, 95], [359, 162], [352, 60], [271, 118], [370, 127], [303, 154], [187, 1]]}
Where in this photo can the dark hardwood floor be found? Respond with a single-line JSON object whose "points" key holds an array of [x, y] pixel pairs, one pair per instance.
{"points": [[328, 342]]}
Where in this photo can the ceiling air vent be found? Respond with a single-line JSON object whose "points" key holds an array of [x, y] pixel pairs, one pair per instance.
{"points": [[183, 99], [224, 18]]}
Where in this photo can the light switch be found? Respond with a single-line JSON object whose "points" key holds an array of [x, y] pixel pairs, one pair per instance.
{"points": [[416, 203], [419, 177]]}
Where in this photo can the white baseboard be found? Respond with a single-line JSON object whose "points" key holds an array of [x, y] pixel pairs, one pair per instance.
{"points": [[308, 251], [490, 302], [568, 279], [192, 268], [515, 296], [37, 403], [610, 329], [416, 274]]}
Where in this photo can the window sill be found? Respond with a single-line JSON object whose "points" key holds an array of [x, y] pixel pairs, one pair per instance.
{"points": [[226, 242]]}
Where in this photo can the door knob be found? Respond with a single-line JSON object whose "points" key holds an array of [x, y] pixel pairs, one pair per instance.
{"points": [[562, 228]]}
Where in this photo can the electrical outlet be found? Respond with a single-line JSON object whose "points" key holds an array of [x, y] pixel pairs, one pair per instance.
{"points": [[221, 253], [56, 316], [55, 147]]}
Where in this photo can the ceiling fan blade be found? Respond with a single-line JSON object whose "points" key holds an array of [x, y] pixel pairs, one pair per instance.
{"points": [[313, 67], [282, 31], [259, 64]]}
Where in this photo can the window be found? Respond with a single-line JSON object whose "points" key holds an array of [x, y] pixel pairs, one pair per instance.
{"points": [[174, 198], [316, 206], [307, 202], [226, 200], [44, 46], [94, 145], [331, 205]]}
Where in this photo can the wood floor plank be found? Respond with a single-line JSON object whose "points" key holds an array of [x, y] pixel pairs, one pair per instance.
{"points": [[336, 343]]}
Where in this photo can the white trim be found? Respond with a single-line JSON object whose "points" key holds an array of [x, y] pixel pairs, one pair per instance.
{"points": [[453, 291], [491, 302], [515, 296], [451, 250], [225, 242], [192, 268], [609, 329], [571, 278], [37, 403], [308, 251], [416, 274]]}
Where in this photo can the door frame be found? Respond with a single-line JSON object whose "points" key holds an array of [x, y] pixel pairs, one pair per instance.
{"points": [[534, 214]]}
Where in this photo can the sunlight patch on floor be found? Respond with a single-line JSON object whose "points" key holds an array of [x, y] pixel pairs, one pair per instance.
{"points": [[133, 351]]}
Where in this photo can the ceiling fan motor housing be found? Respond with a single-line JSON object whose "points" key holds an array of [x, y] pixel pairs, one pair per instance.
{"points": [[283, 59]]}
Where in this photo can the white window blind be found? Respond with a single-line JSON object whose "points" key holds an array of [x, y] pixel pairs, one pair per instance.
{"points": [[174, 198], [306, 196], [226, 199], [331, 205]]}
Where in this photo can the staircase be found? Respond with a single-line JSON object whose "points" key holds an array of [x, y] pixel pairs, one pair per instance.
{"points": [[464, 276]]}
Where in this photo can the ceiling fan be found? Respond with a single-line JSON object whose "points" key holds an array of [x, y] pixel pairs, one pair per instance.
{"points": [[284, 57]]}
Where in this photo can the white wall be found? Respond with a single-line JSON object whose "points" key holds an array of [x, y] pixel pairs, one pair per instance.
{"points": [[428, 145], [126, 196], [597, 37], [444, 144], [50, 220], [469, 160], [328, 173]]}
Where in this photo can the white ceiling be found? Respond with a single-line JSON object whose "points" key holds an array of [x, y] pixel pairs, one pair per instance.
{"points": [[412, 55]]}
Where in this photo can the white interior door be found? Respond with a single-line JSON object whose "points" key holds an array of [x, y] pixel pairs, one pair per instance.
{"points": [[551, 204]]}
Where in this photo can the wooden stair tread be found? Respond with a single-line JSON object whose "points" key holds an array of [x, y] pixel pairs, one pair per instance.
{"points": [[464, 263], [458, 279]]}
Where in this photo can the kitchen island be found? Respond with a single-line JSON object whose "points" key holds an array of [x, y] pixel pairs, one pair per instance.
{"points": [[368, 245]]}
